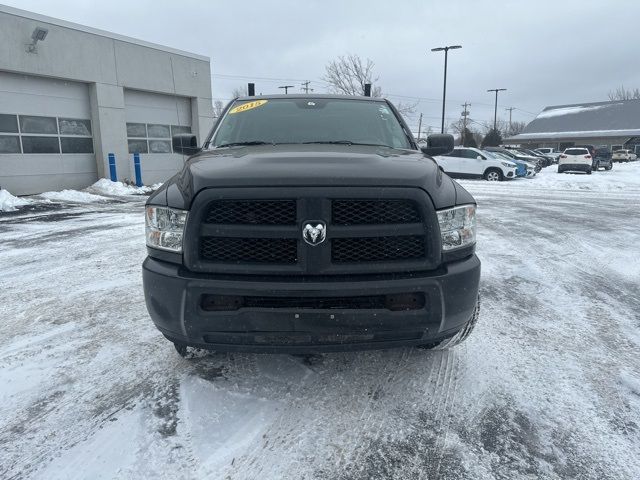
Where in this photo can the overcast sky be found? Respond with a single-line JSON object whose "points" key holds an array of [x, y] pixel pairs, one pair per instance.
{"points": [[543, 52]]}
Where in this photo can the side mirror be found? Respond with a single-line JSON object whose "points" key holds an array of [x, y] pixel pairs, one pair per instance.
{"points": [[438, 144], [185, 144]]}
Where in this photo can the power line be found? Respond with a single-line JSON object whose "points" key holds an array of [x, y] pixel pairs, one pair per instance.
{"points": [[305, 86], [286, 88], [465, 114]]}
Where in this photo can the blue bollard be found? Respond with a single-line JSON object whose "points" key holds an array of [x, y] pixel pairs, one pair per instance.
{"points": [[136, 167], [112, 167]]}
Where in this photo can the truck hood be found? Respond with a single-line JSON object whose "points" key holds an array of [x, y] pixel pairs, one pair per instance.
{"points": [[310, 165]]}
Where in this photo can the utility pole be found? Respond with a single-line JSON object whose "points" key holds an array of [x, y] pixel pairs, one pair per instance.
{"points": [[511, 109], [305, 86], [465, 114], [286, 88], [444, 89], [495, 109], [419, 126]]}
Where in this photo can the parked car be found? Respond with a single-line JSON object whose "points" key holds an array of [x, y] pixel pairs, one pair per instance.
{"points": [[591, 148], [268, 252], [548, 160], [469, 162], [575, 159], [517, 152], [623, 156], [602, 159], [523, 169], [516, 155], [551, 152]]}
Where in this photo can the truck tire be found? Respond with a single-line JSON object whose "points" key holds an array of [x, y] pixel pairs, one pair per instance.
{"points": [[459, 337], [181, 348], [493, 175], [589, 172]]}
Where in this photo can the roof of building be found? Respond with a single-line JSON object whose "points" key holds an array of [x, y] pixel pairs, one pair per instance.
{"points": [[600, 119], [95, 31]]}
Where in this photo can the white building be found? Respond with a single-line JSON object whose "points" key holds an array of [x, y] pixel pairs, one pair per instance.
{"points": [[69, 100]]}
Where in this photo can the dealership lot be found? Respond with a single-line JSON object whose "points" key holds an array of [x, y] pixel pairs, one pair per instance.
{"points": [[548, 385]]}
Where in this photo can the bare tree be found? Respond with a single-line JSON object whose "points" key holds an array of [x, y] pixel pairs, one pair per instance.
{"points": [[406, 108], [622, 93], [502, 126], [515, 128], [218, 107], [239, 92], [348, 74]]}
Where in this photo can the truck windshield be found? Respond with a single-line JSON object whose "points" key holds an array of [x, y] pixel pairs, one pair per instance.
{"points": [[310, 120]]}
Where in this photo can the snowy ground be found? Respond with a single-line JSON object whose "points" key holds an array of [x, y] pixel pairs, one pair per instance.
{"points": [[548, 386]]}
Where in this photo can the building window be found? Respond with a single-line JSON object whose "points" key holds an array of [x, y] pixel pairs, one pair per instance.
{"points": [[76, 144], [158, 131], [46, 125], [136, 130], [72, 126], [35, 134], [138, 146], [33, 144], [152, 137], [8, 123], [9, 144]]}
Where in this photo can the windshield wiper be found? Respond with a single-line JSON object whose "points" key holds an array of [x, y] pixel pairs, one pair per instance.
{"points": [[345, 142], [240, 144]]}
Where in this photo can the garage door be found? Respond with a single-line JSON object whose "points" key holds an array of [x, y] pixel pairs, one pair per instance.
{"points": [[152, 119], [46, 137]]}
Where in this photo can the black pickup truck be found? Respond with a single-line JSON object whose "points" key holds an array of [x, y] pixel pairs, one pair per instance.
{"points": [[311, 223]]}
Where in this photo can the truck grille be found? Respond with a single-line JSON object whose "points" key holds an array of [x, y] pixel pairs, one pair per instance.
{"points": [[252, 212], [377, 249], [251, 250], [259, 231], [370, 212]]}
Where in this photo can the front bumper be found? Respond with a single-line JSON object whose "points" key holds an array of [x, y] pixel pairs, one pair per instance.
{"points": [[173, 296]]}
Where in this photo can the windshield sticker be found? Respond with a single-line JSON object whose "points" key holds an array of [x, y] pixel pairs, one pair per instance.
{"points": [[384, 110], [248, 106]]}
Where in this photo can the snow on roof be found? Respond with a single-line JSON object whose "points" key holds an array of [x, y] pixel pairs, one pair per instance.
{"points": [[579, 134], [600, 119], [560, 111]]}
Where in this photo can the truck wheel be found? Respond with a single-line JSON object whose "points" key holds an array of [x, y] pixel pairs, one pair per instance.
{"points": [[181, 348], [609, 167], [589, 172], [459, 337], [493, 175]]}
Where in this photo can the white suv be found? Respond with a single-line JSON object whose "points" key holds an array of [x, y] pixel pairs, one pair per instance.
{"points": [[575, 159], [623, 156], [466, 162]]}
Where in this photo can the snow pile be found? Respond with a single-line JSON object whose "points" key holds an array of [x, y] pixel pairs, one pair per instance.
{"points": [[107, 187], [8, 202], [73, 196]]}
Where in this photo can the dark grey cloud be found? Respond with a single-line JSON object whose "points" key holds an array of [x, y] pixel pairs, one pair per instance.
{"points": [[543, 52]]}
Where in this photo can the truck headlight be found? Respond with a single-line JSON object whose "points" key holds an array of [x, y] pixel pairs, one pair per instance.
{"points": [[457, 226], [165, 228]]}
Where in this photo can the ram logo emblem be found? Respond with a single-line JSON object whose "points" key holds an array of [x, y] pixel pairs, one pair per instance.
{"points": [[314, 233]]}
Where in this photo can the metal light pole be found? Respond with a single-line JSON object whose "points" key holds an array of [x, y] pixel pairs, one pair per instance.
{"points": [[286, 88], [495, 109], [444, 90]]}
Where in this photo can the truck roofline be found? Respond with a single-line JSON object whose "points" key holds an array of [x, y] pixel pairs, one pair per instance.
{"points": [[315, 95]]}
